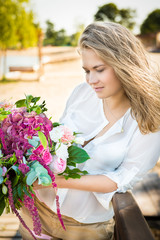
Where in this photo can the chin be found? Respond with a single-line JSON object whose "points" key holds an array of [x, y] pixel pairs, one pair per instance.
{"points": [[101, 96]]}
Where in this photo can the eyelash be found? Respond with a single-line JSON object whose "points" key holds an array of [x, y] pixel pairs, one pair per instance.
{"points": [[99, 71]]}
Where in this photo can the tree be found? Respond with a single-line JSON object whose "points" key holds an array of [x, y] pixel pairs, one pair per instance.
{"points": [[50, 34], [75, 37], [152, 23], [17, 29], [110, 12], [55, 38], [60, 37]]}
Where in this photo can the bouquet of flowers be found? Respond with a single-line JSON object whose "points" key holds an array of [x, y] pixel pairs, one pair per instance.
{"points": [[33, 148]]}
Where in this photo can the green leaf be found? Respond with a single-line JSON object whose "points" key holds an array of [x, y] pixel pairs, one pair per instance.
{"points": [[2, 205], [31, 178], [56, 124], [33, 142], [1, 179], [29, 98], [1, 171], [35, 99], [70, 163], [43, 139], [26, 192], [77, 155], [21, 103], [41, 170], [4, 189], [15, 180], [15, 168], [45, 180], [37, 129], [37, 109], [73, 173], [20, 190]]}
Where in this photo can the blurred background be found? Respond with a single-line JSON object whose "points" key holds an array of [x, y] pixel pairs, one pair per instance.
{"points": [[38, 53]]}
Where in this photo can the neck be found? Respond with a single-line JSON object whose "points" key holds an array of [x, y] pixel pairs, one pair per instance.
{"points": [[114, 103]]}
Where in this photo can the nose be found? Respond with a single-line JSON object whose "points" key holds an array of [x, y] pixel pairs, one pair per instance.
{"points": [[92, 78]]}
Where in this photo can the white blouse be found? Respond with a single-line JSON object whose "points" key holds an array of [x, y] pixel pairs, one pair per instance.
{"points": [[123, 156]]}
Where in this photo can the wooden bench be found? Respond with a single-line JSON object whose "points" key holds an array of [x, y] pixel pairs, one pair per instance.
{"points": [[130, 224], [24, 69], [131, 215]]}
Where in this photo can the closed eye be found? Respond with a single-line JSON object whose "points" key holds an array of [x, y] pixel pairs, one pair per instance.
{"points": [[100, 70]]}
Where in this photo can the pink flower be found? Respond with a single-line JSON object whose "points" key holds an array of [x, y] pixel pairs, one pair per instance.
{"points": [[4, 171], [67, 134], [39, 150], [46, 156], [43, 153], [58, 165]]}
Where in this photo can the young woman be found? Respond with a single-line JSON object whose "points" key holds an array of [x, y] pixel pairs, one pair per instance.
{"points": [[117, 110]]}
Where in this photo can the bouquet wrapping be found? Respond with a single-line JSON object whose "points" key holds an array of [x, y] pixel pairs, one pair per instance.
{"points": [[32, 147]]}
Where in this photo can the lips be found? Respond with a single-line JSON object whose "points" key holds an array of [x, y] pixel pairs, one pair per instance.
{"points": [[98, 89]]}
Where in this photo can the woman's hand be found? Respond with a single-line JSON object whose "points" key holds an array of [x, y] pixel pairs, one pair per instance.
{"points": [[37, 186]]}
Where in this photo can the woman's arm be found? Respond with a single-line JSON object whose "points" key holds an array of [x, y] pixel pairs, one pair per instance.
{"points": [[92, 183]]}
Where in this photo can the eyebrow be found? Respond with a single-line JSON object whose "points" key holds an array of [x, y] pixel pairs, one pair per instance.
{"points": [[100, 65]]}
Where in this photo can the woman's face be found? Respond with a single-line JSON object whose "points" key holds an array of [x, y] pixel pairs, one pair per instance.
{"points": [[100, 76]]}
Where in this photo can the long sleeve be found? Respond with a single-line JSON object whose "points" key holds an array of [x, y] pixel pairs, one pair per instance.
{"points": [[141, 156]]}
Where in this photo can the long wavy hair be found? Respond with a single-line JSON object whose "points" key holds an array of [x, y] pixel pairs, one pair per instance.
{"points": [[119, 48]]}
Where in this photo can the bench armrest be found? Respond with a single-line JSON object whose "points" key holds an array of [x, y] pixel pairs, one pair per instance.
{"points": [[129, 221]]}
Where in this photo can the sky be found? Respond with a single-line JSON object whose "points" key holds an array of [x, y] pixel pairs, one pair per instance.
{"points": [[68, 14]]}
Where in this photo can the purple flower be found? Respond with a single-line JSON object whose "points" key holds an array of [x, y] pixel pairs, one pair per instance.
{"points": [[11, 202], [23, 168], [29, 204], [21, 125]]}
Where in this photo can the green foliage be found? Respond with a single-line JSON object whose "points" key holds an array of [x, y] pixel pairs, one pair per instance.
{"points": [[38, 172], [76, 155], [111, 13], [75, 37], [56, 124], [18, 193], [3, 113], [55, 38], [30, 103], [16, 24], [2, 205], [152, 23], [50, 32], [43, 139], [73, 173], [60, 38]]}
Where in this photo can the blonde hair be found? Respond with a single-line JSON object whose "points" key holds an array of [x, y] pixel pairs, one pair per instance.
{"points": [[119, 48]]}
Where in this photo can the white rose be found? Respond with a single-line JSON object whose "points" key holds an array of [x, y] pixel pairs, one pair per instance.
{"points": [[79, 140], [56, 134], [62, 151]]}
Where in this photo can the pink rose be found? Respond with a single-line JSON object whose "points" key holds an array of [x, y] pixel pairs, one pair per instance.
{"points": [[58, 165], [67, 134], [39, 150], [46, 156]]}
